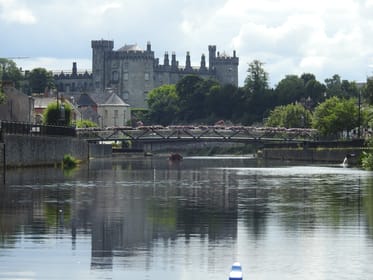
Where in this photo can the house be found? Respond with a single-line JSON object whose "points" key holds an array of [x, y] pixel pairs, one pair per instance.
{"points": [[114, 112], [87, 108]]}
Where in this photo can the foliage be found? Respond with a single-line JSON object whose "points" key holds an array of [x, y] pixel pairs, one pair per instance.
{"points": [[368, 93], [9, 72], [2, 96], [336, 115], [138, 115], [85, 123], [163, 104], [340, 88], [289, 116], [192, 92], [53, 115], [367, 160], [257, 78], [290, 89], [69, 162], [40, 80]]}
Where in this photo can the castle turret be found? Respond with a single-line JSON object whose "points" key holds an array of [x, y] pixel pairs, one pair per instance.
{"points": [[100, 50], [203, 63], [212, 56], [173, 61], [75, 70], [166, 61], [148, 47], [188, 65]]}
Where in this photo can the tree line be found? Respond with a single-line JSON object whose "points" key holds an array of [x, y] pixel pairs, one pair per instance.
{"points": [[333, 107]]}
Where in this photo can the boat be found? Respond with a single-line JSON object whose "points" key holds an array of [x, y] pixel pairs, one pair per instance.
{"points": [[175, 157], [236, 272]]}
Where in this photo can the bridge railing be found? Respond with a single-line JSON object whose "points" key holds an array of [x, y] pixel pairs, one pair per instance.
{"points": [[148, 133]]}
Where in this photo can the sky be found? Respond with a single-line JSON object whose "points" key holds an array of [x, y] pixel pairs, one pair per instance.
{"points": [[291, 37]]}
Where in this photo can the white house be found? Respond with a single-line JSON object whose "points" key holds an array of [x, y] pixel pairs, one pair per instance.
{"points": [[114, 112]]}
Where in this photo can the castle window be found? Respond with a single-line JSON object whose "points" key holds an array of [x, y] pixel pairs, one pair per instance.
{"points": [[126, 65], [125, 76], [115, 76], [125, 95], [146, 76]]}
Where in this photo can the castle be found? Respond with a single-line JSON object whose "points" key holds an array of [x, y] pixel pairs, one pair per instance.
{"points": [[132, 72]]}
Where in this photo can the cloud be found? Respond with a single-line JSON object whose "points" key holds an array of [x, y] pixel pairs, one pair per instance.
{"points": [[12, 11], [289, 36]]}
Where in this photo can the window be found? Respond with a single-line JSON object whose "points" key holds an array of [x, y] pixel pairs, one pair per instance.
{"points": [[146, 76], [115, 117], [115, 76], [125, 76], [125, 95]]}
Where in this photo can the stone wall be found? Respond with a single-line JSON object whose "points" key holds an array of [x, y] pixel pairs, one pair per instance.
{"points": [[100, 150], [333, 155], [22, 150]]}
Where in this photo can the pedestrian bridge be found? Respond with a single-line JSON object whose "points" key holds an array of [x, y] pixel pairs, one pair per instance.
{"points": [[202, 133]]}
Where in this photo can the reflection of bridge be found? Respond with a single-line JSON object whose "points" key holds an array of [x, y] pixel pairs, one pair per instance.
{"points": [[154, 134]]}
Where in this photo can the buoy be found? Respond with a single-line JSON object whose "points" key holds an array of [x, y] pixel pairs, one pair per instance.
{"points": [[236, 272]]}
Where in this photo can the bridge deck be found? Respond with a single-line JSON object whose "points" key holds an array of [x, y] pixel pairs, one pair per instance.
{"points": [[199, 133]]}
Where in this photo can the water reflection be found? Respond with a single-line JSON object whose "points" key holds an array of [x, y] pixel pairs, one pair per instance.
{"points": [[146, 217]]}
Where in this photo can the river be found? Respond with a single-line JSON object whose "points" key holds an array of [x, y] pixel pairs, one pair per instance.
{"points": [[147, 218]]}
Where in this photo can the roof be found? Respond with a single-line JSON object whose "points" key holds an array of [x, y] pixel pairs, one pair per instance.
{"points": [[129, 48], [115, 100], [43, 102], [85, 100]]}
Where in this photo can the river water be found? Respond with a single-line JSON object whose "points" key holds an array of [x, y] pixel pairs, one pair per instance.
{"points": [[147, 218]]}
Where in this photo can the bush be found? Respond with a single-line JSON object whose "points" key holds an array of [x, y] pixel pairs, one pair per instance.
{"points": [[69, 162], [55, 116]]}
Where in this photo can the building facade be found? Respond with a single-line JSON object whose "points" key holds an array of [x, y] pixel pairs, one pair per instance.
{"points": [[132, 72]]}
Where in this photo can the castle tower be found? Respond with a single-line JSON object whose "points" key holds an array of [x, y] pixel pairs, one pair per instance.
{"points": [[212, 56], [226, 69], [100, 50]]}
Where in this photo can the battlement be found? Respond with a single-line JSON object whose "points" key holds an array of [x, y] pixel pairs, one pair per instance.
{"points": [[103, 44], [138, 54], [70, 75]]}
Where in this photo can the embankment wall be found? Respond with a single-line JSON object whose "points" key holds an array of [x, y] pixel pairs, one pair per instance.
{"points": [[24, 150], [333, 155]]}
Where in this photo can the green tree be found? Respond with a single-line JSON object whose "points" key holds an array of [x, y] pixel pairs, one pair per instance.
{"points": [[290, 89], [368, 91], [163, 105], [257, 78], [289, 116], [9, 72], [336, 115], [192, 92], [40, 80], [57, 114]]}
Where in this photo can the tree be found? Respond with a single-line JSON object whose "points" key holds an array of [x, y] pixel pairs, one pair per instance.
{"points": [[40, 80], [336, 115], [163, 105], [368, 92], [56, 114], [289, 116], [9, 72], [193, 91], [257, 78], [290, 89]]}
